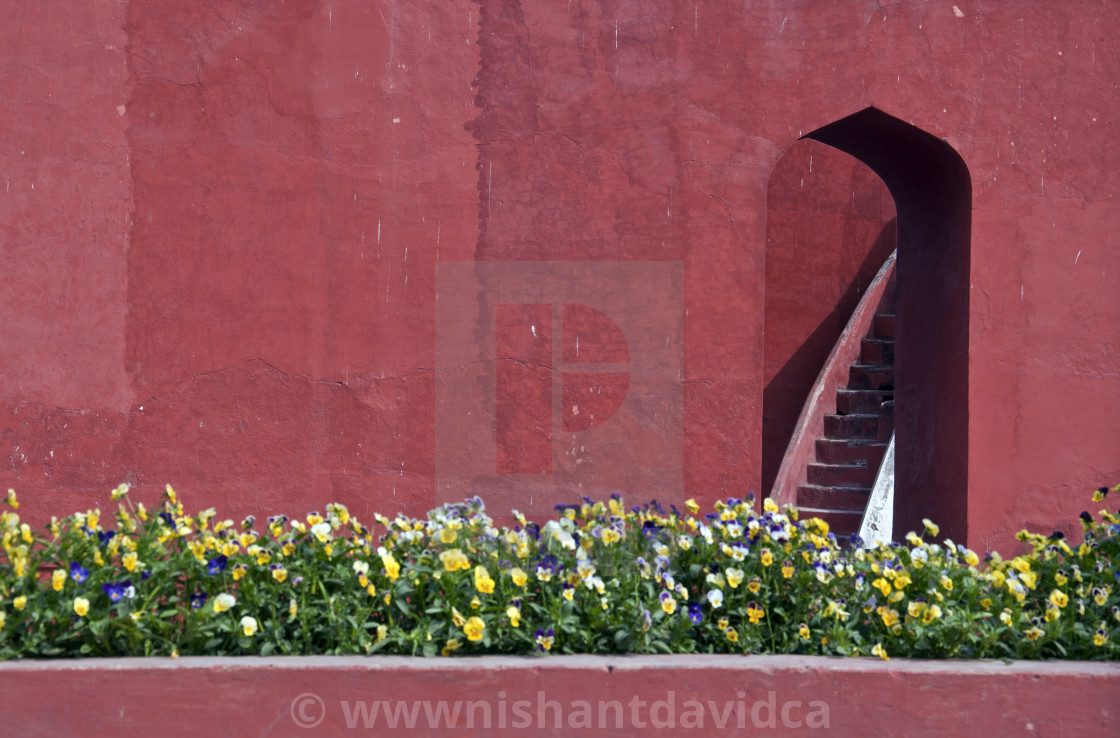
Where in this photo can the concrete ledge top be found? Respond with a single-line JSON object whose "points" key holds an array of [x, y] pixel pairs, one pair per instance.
{"points": [[718, 662]]}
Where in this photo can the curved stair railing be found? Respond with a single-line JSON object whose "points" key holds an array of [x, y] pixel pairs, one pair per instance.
{"points": [[821, 401]]}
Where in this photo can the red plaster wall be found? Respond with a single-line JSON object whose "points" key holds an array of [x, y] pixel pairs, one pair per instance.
{"points": [[224, 276]]}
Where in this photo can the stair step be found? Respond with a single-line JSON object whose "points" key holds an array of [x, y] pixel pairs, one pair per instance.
{"points": [[870, 376], [847, 476], [851, 426], [820, 497], [877, 351], [849, 451], [840, 522], [884, 325], [860, 402]]}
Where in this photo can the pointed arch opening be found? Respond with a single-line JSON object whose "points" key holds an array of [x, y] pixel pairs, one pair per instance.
{"points": [[932, 193]]}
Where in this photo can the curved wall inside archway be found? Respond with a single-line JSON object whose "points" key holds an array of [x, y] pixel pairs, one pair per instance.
{"points": [[830, 225]]}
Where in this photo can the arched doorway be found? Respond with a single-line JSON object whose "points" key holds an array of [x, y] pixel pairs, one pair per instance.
{"points": [[932, 192]]}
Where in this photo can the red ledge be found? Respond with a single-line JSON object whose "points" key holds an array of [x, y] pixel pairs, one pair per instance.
{"points": [[558, 695]]}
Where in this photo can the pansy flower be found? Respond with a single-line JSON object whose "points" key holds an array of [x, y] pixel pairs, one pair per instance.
{"points": [[695, 613], [198, 599], [117, 591], [216, 565], [545, 639], [77, 572], [473, 628], [546, 567], [224, 601], [755, 613]]}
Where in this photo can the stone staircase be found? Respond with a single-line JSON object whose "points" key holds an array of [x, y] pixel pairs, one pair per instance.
{"points": [[855, 437]]}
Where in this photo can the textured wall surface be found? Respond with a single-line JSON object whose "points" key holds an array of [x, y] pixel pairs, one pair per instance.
{"points": [[221, 226]]}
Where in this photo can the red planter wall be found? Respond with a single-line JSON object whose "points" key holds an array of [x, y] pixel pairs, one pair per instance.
{"points": [[559, 695]]}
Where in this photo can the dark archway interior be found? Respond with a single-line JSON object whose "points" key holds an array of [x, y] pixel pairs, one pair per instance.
{"points": [[932, 191]]}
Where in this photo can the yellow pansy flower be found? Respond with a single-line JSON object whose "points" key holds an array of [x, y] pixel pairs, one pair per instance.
{"points": [[392, 568], [482, 580], [474, 628], [889, 615], [81, 606], [519, 577], [453, 560]]}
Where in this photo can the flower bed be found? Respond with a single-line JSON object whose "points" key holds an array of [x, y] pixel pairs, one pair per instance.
{"points": [[600, 578]]}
